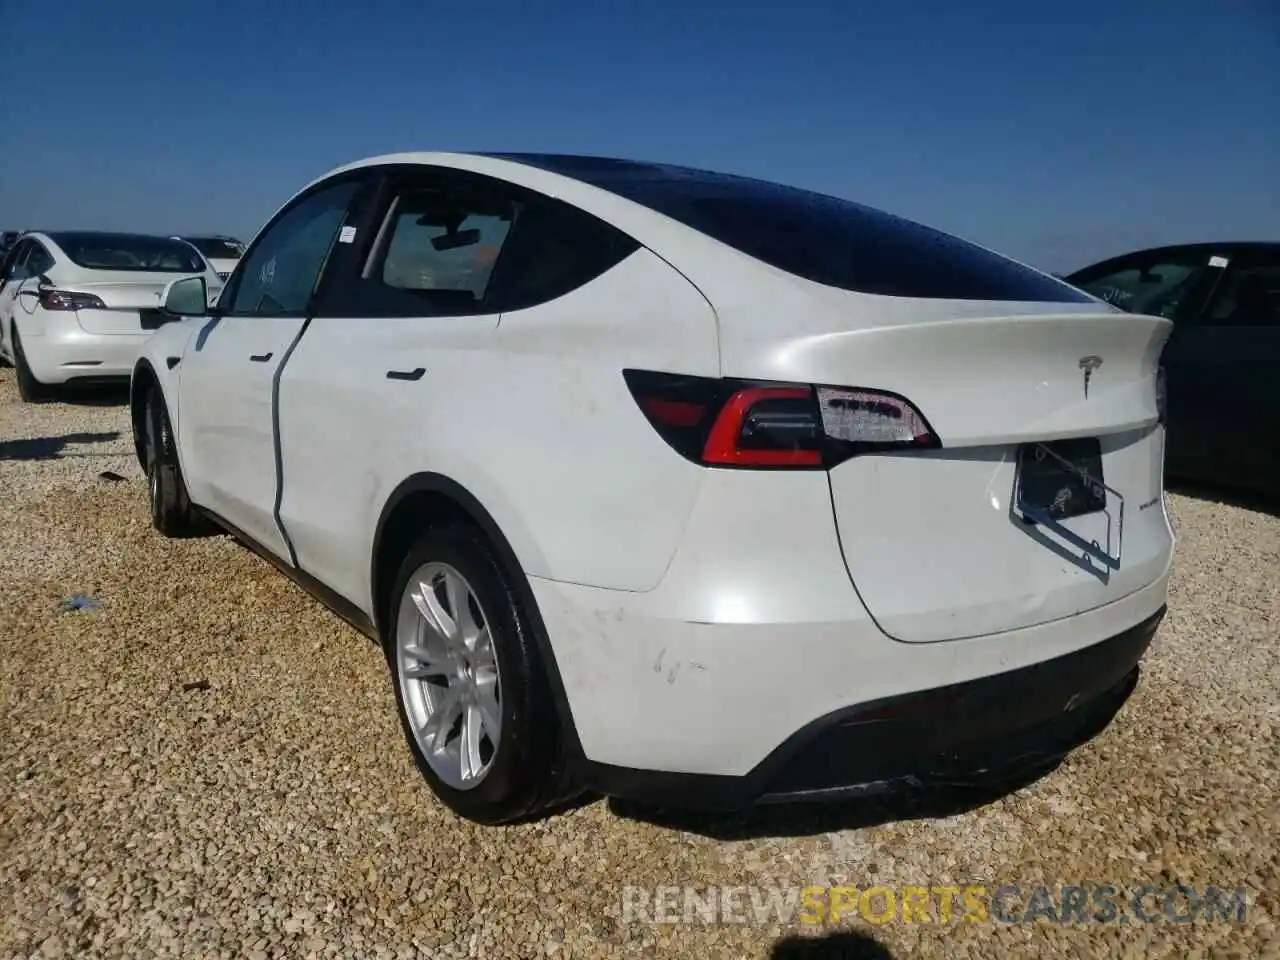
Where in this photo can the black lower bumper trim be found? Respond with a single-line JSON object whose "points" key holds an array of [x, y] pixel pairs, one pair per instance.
{"points": [[969, 732]]}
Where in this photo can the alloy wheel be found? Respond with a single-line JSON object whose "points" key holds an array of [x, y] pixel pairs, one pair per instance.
{"points": [[447, 669]]}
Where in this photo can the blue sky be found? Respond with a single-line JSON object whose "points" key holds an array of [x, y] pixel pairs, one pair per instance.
{"points": [[1058, 141]]}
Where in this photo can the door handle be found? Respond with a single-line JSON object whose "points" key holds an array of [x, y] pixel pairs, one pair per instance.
{"points": [[260, 357], [414, 374]]}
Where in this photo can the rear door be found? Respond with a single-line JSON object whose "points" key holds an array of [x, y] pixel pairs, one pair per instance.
{"points": [[397, 343], [228, 377], [1222, 362]]}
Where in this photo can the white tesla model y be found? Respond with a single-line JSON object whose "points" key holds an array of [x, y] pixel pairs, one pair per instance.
{"points": [[674, 485]]}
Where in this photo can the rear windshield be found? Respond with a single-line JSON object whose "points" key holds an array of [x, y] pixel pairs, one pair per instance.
{"points": [[820, 238], [216, 248], [118, 251]]}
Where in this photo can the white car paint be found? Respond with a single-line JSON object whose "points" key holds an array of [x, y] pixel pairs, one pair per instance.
{"points": [[69, 344], [698, 616]]}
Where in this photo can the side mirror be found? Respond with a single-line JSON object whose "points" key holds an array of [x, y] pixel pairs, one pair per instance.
{"points": [[187, 297]]}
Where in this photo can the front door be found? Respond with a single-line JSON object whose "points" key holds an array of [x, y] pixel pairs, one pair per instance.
{"points": [[228, 377]]}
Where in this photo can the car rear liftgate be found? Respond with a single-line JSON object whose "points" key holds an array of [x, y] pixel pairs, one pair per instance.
{"points": [[1044, 497]]}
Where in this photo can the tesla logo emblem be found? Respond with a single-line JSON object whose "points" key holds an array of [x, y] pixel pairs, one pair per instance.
{"points": [[1088, 365]]}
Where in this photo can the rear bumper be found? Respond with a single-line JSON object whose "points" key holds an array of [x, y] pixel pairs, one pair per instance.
{"points": [[967, 732], [64, 352], [755, 633]]}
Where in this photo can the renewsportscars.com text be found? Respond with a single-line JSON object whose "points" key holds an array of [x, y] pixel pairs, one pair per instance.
{"points": [[965, 903]]}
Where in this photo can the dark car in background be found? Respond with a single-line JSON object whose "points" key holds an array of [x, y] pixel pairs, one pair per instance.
{"points": [[1222, 362], [7, 239]]}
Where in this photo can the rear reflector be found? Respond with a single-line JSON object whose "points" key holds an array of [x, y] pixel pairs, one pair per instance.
{"points": [[869, 416], [742, 424]]}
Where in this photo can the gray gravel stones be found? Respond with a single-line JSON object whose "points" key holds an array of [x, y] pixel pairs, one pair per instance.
{"points": [[270, 808]]}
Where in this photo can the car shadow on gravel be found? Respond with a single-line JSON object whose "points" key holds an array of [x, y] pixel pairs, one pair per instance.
{"points": [[94, 395], [1214, 493], [841, 945], [55, 448]]}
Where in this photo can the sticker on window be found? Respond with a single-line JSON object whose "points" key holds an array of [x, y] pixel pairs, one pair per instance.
{"points": [[1218, 261], [347, 234]]}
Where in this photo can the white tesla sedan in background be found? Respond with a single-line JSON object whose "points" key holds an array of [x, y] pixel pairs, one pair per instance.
{"points": [[675, 485], [77, 306]]}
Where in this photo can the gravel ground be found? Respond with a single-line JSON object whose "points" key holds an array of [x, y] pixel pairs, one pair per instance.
{"points": [[272, 809]]}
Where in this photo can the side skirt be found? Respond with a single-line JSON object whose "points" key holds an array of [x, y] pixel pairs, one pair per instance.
{"points": [[337, 603]]}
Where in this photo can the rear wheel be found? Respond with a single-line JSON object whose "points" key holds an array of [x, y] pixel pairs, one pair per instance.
{"points": [[473, 697], [30, 389], [171, 510]]}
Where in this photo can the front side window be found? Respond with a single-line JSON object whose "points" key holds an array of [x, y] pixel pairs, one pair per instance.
{"points": [[1156, 287], [128, 253], [280, 274]]}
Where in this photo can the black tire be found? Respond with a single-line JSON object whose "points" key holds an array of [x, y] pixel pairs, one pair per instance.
{"points": [[171, 510], [30, 390], [529, 776]]}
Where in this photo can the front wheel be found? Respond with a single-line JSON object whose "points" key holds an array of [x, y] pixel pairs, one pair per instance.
{"points": [[473, 697], [171, 510], [30, 390]]}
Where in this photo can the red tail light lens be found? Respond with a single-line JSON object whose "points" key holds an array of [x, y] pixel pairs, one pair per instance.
{"points": [[765, 427], [52, 299], [734, 423]]}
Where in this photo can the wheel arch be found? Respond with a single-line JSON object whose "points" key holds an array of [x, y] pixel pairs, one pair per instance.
{"points": [[420, 501], [429, 499], [141, 381]]}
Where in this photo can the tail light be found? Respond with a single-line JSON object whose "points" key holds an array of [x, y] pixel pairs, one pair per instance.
{"points": [[52, 299], [736, 423]]}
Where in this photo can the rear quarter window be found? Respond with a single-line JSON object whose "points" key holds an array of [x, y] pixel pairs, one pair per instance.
{"points": [[554, 249]]}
